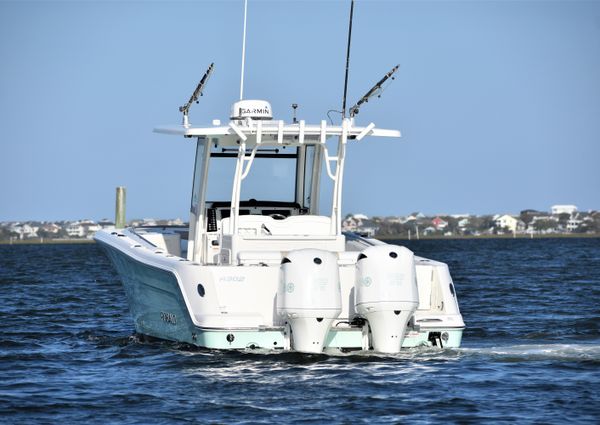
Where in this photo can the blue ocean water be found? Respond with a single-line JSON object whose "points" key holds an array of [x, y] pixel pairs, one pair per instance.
{"points": [[531, 350]]}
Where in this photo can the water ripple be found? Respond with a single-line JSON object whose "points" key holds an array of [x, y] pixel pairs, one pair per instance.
{"points": [[531, 351]]}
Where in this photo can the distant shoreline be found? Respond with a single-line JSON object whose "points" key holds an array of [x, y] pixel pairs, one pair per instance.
{"points": [[506, 236], [38, 241]]}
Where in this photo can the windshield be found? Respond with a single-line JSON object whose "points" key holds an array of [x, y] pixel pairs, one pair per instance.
{"points": [[269, 179]]}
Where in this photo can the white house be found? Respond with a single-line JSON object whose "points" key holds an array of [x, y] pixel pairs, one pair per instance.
{"points": [[563, 209], [429, 230], [573, 224], [75, 229], [25, 230], [353, 222], [350, 224], [81, 229], [52, 228], [509, 222]]}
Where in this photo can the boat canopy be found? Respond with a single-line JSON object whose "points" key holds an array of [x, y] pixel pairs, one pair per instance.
{"points": [[245, 135]]}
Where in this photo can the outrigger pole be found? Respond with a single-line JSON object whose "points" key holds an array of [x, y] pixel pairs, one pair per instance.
{"points": [[347, 61], [197, 93], [377, 88]]}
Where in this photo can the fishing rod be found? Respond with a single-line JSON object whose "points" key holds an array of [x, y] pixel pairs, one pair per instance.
{"points": [[347, 61], [376, 89]]}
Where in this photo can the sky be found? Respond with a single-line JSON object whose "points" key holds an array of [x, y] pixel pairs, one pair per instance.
{"points": [[498, 102]]}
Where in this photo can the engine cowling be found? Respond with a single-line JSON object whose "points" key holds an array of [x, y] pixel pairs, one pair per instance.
{"points": [[309, 297], [386, 293]]}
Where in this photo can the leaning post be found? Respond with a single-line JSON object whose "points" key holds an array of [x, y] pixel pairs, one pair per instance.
{"points": [[120, 208]]}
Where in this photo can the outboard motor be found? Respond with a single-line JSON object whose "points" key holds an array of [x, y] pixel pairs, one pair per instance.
{"points": [[309, 297], [386, 293]]}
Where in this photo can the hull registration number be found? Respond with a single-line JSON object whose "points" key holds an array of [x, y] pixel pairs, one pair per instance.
{"points": [[168, 317]]}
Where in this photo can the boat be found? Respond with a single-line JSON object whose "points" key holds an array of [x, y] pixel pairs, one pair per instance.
{"points": [[259, 270]]}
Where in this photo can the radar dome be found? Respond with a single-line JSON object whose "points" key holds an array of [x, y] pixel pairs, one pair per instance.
{"points": [[253, 109]]}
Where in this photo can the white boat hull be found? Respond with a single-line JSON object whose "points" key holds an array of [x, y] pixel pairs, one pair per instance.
{"points": [[165, 302]]}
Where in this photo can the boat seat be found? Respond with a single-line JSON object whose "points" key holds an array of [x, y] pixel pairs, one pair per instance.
{"points": [[296, 225], [259, 258], [263, 239]]}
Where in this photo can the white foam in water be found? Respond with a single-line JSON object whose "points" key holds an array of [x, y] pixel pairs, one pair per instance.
{"points": [[575, 352]]}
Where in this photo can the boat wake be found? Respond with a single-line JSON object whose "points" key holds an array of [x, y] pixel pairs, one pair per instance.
{"points": [[512, 353], [589, 352], [534, 352]]}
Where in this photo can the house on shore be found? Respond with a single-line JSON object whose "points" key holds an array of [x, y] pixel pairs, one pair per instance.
{"points": [[82, 229], [510, 223], [439, 223], [563, 209]]}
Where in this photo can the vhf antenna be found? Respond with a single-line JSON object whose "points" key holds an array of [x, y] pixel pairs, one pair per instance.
{"points": [[376, 89], [347, 61], [243, 51], [197, 93]]}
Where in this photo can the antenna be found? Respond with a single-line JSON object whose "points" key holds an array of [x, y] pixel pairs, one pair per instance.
{"points": [[243, 50], [197, 93], [347, 61], [376, 89]]}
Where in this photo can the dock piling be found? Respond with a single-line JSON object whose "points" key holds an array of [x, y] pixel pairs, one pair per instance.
{"points": [[120, 208]]}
